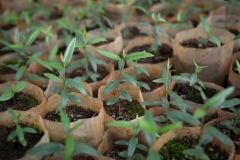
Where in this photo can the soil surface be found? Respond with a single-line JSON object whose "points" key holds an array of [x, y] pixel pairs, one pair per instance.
{"points": [[129, 110], [23, 102], [131, 32], [164, 52], [11, 150], [192, 94], [74, 113], [194, 43], [173, 149], [83, 157]]}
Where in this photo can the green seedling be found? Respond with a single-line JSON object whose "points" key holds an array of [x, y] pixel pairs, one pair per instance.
{"points": [[63, 80], [197, 119], [9, 93], [19, 131], [70, 147], [123, 77], [210, 36], [238, 66]]}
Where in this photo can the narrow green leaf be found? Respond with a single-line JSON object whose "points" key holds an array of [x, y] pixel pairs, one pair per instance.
{"points": [[20, 86], [69, 149], [152, 103], [86, 149], [33, 36], [96, 40], [12, 114], [22, 70], [215, 40], [78, 85], [138, 55], [199, 113], [169, 127], [12, 136], [111, 86], [193, 79], [218, 99], [109, 55], [129, 79], [77, 125], [69, 52], [219, 135], [64, 119], [29, 130], [73, 98], [16, 36], [185, 117], [112, 101], [177, 100], [20, 134], [39, 61], [126, 95], [53, 77], [132, 146], [55, 90], [92, 61], [6, 96], [64, 98], [205, 24], [53, 52], [120, 123]]}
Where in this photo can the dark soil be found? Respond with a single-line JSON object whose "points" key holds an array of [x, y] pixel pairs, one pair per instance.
{"points": [[7, 70], [192, 94], [164, 52], [23, 102], [80, 71], [131, 32], [151, 84], [208, 118], [235, 138], [11, 150], [129, 110], [74, 113], [173, 149], [194, 43], [104, 42], [83, 157]]}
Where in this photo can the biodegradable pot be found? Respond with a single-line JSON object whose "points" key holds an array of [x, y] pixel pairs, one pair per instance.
{"points": [[29, 119], [132, 90], [193, 104], [216, 59], [218, 21], [116, 11], [114, 47], [30, 89], [232, 9], [114, 134], [188, 131], [234, 78], [14, 5], [147, 40], [218, 120], [5, 59], [92, 129], [48, 92]]}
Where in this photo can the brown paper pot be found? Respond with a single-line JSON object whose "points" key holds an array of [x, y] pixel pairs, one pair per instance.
{"points": [[216, 59], [232, 9], [114, 134], [146, 40], [14, 5], [185, 131], [234, 78], [30, 89], [5, 59], [218, 21], [30, 119], [193, 104], [217, 121], [48, 92], [115, 47], [132, 90], [90, 132], [116, 11]]}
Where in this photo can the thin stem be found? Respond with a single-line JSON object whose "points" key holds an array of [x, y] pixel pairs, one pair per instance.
{"points": [[118, 91], [236, 120]]}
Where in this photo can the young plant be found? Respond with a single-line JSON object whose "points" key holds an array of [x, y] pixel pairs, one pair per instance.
{"points": [[9, 93], [70, 147], [19, 131], [238, 66], [198, 118], [65, 82], [123, 77], [89, 60], [210, 36]]}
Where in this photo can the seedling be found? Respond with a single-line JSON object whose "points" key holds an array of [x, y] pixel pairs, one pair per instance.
{"points": [[198, 120], [19, 131], [238, 66], [123, 77], [9, 93], [70, 147], [65, 82], [210, 36]]}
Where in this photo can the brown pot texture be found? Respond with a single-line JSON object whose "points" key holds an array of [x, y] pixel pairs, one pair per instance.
{"points": [[216, 59], [14, 5], [32, 90], [193, 104], [29, 119], [186, 131], [233, 78], [92, 129], [132, 90]]}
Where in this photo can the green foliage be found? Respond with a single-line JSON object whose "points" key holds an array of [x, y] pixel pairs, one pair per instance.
{"points": [[210, 36], [19, 131], [9, 93], [238, 66]]}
